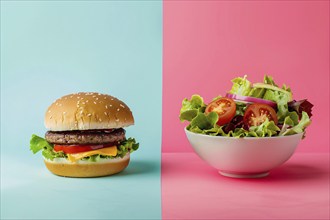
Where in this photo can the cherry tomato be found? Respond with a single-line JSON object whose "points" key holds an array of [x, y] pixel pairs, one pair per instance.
{"points": [[255, 114], [224, 107], [73, 149]]}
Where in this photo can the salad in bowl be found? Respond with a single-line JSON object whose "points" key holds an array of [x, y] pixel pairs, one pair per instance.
{"points": [[250, 130]]}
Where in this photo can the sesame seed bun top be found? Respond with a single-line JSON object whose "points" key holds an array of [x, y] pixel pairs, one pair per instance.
{"points": [[87, 110]]}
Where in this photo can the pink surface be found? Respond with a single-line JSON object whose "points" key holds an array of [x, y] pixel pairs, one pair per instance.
{"points": [[297, 190], [208, 43]]}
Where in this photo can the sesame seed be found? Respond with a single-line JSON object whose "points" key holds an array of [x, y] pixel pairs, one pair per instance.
{"points": [[110, 105], [100, 119], [97, 98], [105, 113], [117, 119], [106, 107], [81, 112], [89, 114], [49, 111], [50, 117], [86, 101], [118, 109], [95, 103], [111, 98], [105, 97], [122, 106]]}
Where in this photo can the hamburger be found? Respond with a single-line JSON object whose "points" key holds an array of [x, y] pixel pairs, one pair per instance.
{"points": [[86, 136]]}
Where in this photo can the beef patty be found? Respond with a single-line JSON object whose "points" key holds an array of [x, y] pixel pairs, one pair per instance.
{"points": [[86, 136]]}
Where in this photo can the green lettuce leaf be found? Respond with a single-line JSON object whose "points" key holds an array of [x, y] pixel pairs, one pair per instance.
{"points": [[237, 133], [266, 129], [288, 122], [241, 86], [38, 143], [269, 80], [281, 100], [240, 108], [257, 92], [190, 108], [300, 127], [203, 121], [129, 145], [218, 131], [294, 117]]}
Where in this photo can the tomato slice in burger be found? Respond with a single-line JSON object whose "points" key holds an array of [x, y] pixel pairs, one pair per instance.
{"points": [[73, 149], [256, 114], [224, 107]]}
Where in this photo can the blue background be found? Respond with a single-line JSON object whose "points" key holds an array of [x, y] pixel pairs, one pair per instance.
{"points": [[52, 48]]}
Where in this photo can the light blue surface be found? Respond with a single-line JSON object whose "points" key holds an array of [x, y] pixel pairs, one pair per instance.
{"points": [[49, 49]]}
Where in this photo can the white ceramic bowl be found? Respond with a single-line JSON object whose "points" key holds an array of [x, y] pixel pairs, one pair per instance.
{"points": [[243, 157]]}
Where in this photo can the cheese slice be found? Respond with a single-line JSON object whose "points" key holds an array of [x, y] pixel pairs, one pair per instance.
{"points": [[108, 151]]}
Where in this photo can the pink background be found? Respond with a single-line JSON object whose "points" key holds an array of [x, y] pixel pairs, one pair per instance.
{"points": [[299, 189], [207, 43]]}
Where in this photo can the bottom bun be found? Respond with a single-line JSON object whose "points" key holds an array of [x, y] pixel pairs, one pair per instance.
{"points": [[104, 167]]}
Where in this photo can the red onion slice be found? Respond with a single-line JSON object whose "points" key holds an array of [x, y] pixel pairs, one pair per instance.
{"points": [[251, 99]]}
